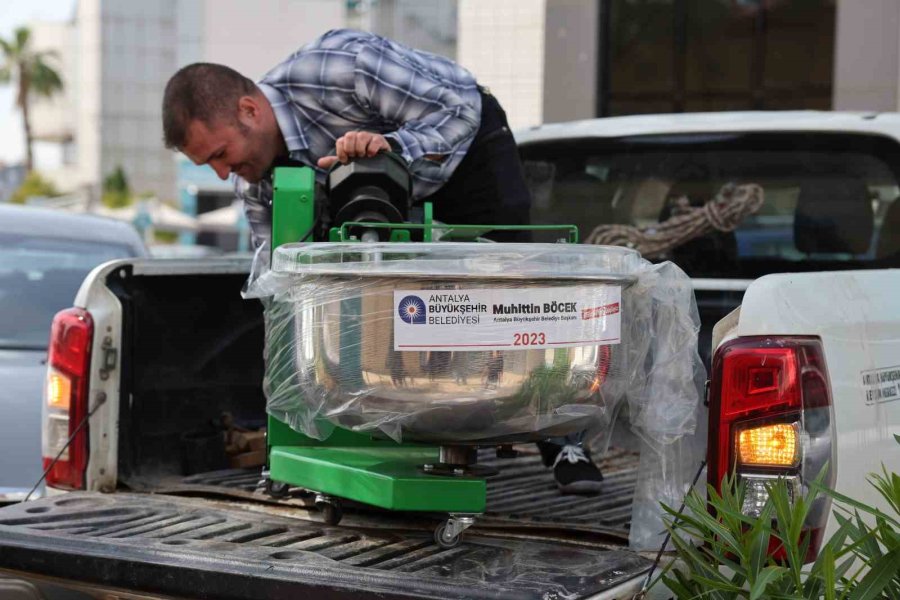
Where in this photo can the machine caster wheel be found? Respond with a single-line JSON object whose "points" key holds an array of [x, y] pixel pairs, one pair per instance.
{"points": [[332, 514], [449, 533], [277, 489], [443, 540], [332, 511]]}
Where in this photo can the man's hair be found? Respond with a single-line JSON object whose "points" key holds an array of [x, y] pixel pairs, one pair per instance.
{"points": [[203, 92]]}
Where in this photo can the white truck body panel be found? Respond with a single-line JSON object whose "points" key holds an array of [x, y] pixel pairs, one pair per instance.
{"points": [[717, 123], [857, 316], [106, 313]]}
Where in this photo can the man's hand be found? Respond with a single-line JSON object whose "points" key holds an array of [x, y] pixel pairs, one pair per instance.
{"points": [[355, 144]]}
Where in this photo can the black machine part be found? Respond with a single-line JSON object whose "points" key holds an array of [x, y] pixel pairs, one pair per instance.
{"points": [[375, 189]]}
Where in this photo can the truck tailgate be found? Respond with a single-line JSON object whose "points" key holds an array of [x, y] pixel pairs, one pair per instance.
{"points": [[194, 548]]}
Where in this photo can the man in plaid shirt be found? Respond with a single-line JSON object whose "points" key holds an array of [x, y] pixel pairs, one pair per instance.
{"points": [[351, 94], [344, 95]]}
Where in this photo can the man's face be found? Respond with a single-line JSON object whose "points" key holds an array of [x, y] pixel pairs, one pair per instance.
{"points": [[235, 146]]}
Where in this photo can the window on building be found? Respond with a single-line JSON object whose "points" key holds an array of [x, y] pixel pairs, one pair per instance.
{"points": [[711, 55]]}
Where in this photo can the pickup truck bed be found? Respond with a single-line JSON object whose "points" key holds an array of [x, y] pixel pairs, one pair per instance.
{"points": [[186, 349], [531, 544], [522, 496]]}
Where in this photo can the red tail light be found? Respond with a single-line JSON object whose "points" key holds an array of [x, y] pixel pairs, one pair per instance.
{"points": [[771, 417], [65, 398]]}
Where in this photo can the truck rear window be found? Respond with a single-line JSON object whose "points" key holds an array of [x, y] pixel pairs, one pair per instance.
{"points": [[828, 201]]}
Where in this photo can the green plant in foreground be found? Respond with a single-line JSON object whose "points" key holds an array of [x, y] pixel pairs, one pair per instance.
{"points": [[725, 554]]}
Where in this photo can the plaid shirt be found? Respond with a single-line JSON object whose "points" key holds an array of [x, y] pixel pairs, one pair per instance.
{"points": [[427, 106]]}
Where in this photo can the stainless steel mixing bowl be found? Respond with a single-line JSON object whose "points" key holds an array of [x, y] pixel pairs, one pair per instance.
{"points": [[345, 368]]}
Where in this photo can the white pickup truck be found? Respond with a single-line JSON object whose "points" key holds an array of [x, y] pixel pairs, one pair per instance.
{"points": [[154, 351]]}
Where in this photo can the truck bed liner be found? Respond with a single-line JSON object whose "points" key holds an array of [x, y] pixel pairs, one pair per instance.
{"points": [[522, 495], [183, 546]]}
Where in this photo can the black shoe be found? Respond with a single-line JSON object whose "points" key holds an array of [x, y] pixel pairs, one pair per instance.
{"points": [[549, 452], [574, 471]]}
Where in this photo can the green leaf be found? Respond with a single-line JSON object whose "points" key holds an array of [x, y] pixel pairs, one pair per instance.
{"points": [[718, 584], [859, 506], [758, 542], [858, 547], [736, 514], [695, 560], [840, 574], [798, 519], [677, 588], [870, 547], [23, 35], [879, 576], [786, 529], [889, 537], [888, 485], [834, 544], [45, 81], [7, 49], [828, 573], [769, 574]]}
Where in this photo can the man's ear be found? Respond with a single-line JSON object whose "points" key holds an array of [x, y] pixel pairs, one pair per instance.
{"points": [[248, 109]]}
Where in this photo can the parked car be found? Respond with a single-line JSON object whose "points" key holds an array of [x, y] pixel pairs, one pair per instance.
{"points": [[44, 256], [815, 351]]}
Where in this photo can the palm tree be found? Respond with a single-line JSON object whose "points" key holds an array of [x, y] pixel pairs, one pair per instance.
{"points": [[33, 75]]}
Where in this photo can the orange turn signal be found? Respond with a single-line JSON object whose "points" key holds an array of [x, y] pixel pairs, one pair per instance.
{"points": [[770, 446], [59, 390]]}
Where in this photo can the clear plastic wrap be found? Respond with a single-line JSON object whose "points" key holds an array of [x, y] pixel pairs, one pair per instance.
{"points": [[457, 342], [666, 472]]}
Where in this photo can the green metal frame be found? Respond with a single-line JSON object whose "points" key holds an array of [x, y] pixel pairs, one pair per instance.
{"points": [[371, 470], [293, 204]]}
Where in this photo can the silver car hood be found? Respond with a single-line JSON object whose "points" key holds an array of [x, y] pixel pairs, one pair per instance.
{"points": [[21, 384]]}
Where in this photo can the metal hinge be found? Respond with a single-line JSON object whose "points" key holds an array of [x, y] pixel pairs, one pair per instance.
{"points": [[108, 358]]}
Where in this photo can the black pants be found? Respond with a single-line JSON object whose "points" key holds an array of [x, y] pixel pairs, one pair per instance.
{"points": [[488, 187]]}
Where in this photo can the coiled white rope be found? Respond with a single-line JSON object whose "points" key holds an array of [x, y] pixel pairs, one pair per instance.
{"points": [[725, 212]]}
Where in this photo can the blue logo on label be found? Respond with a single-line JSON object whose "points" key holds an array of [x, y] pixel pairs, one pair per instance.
{"points": [[412, 310]]}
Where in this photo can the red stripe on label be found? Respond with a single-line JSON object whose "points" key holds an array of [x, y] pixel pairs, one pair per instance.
{"points": [[599, 311]]}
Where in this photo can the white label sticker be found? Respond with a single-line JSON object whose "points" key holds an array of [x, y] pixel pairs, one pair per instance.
{"points": [[881, 385], [499, 319]]}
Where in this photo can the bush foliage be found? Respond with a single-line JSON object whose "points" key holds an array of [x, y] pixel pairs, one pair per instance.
{"points": [[724, 554]]}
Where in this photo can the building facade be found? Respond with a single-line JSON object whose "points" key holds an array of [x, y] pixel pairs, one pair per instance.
{"points": [[116, 59], [546, 60], [558, 60], [502, 43]]}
